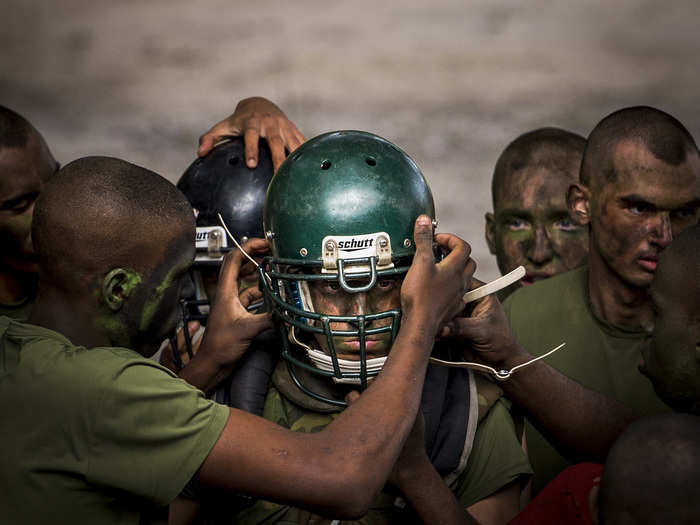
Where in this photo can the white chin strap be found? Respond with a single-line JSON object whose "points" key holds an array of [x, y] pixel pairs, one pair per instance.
{"points": [[347, 366]]}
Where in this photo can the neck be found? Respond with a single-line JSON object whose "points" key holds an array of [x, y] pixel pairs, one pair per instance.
{"points": [[15, 286], [61, 314], [614, 300]]}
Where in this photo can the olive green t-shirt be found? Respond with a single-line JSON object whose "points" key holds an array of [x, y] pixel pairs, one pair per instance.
{"points": [[598, 355], [496, 460], [98, 435]]}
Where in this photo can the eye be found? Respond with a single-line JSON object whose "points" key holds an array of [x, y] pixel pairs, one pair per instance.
{"points": [[21, 204], [639, 208], [386, 284], [331, 286], [517, 224], [684, 213], [566, 225]]}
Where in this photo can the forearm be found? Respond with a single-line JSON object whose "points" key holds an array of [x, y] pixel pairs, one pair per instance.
{"points": [[582, 421], [387, 408], [433, 501], [204, 372]]}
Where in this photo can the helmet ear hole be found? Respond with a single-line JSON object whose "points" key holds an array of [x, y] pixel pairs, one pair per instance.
{"points": [[233, 161], [326, 164], [370, 161]]}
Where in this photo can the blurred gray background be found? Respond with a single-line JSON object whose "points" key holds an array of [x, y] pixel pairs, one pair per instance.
{"points": [[451, 82]]}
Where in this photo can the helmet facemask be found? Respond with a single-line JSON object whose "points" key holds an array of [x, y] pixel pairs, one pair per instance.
{"points": [[313, 337]]}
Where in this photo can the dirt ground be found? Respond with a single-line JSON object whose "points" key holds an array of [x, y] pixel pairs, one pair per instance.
{"points": [[450, 81]]}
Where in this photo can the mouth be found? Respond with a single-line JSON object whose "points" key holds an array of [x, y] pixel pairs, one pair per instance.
{"points": [[533, 277], [649, 262], [350, 348]]}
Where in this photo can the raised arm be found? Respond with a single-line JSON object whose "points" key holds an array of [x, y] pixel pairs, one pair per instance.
{"points": [[339, 470], [582, 421]]}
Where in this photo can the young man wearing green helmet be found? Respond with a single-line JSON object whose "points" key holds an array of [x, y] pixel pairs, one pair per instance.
{"points": [[338, 215]]}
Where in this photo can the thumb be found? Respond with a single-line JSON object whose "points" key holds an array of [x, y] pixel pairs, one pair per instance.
{"points": [[423, 237], [206, 143]]}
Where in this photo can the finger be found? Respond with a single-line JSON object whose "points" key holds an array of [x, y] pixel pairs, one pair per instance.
{"points": [[250, 296], [293, 136], [277, 151], [250, 139], [216, 133], [423, 238], [206, 144], [227, 287], [352, 396], [450, 243]]}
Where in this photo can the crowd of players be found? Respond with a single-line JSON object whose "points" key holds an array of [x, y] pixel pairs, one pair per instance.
{"points": [[278, 400]]}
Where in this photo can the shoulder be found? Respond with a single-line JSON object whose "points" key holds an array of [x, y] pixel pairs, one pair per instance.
{"points": [[549, 292]]}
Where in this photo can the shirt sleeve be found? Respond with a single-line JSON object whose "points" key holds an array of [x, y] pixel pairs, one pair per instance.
{"points": [[151, 432], [496, 459]]}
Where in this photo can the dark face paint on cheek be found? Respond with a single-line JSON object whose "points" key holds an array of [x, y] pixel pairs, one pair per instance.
{"points": [[330, 299], [532, 226], [153, 314]]}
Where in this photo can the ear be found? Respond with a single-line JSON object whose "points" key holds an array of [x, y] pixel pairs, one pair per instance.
{"points": [[578, 200], [118, 285], [491, 232]]}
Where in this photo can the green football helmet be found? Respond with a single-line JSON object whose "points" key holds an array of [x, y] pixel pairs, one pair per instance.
{"points": [[341, 208]]}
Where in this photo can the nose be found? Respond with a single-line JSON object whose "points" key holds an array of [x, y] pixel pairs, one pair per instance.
{"points": [[359, 304], [540, 249], [661, 232]]}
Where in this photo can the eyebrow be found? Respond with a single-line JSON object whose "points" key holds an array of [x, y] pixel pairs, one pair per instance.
{"points": [[633, 198]]}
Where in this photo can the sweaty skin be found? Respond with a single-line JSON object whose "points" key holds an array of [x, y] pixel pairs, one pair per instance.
{"points": [[531, 227], [328, 297]]}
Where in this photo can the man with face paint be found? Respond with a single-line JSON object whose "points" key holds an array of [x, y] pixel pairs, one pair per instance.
{"points": [[25, 165], [639, 186], [94, 432], [464, 455], [530, 223], [655, 444]]}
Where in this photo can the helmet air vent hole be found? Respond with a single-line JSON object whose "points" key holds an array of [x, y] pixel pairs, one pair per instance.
{"points": [[233, 161], [370, 161], [325, 164]]}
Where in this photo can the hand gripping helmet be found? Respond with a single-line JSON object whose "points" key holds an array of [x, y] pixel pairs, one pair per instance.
{"points": [[222, 183], [341, 208]]}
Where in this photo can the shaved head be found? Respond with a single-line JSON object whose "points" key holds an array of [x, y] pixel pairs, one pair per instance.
{"points": [[97, 213], [652, 473], [553, 149], [661, 134]]}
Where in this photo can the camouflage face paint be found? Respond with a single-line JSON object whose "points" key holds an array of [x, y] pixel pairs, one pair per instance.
{"points": [[635, 216], [531, 225]]}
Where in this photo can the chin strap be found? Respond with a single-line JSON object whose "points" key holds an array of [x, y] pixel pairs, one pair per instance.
{"points": [[501, 374], [324, 362], [495, 285]]}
